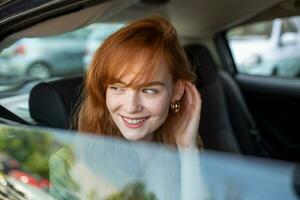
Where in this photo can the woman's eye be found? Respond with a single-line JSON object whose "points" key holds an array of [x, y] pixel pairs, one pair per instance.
{"points": [[150, 91], [116, 88]]}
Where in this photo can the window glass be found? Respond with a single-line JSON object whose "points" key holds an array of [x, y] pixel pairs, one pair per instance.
{"points": [[53, 56], [288, 26], [29, 60], [77, 166], [268, 48], [261, 29]]}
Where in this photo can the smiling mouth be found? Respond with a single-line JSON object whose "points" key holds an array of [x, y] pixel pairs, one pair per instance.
{"points": [[134, 122]]}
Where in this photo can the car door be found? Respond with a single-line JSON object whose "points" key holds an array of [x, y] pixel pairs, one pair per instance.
{"points": [[273, 99], [288, 46]]}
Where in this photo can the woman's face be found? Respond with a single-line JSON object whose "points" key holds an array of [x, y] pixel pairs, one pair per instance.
{"points": [[139, 111]]}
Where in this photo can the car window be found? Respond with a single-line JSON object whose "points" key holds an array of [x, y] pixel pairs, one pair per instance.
{"points": [[30, 60], [53, 56], [267, 48], [260, 29], [67, 165], [288, 26]]}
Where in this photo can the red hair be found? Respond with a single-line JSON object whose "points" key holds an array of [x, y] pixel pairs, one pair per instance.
{"points": [[152, 39]]}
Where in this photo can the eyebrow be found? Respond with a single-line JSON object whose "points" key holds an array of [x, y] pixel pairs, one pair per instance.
{"points": [[153, 83]]}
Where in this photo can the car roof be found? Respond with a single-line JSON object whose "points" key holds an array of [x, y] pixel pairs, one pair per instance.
{"points": [[192, 19]]}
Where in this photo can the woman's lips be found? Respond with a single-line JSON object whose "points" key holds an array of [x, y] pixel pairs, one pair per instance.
{"points": [[134, 122]]}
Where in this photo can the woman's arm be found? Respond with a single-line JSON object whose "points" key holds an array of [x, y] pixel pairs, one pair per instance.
{"points": [[193, 186]]}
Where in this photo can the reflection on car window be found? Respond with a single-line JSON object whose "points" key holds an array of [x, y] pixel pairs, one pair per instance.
{"points": [[69, 166], [268, 48]]}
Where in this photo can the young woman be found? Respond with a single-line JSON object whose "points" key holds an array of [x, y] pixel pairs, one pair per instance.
{"points": [[139, 86]]}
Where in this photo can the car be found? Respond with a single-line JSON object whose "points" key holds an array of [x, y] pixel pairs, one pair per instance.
{"points": [[270, 49], [249, 122], [45, 57]]}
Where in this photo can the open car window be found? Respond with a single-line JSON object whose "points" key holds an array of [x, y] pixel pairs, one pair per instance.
{"points": [[31, 60], [267, 48], [66, 165], [62, 55]]}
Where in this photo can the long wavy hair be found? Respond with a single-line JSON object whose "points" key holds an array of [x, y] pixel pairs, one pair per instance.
{"points": [[151, 39]]}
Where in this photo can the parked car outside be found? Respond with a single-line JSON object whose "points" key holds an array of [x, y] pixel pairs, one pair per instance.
{"points": [[45, 57], [267, 48]]}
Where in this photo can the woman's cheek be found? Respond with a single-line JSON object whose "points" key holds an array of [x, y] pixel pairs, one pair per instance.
{"points": [[159, 106], [112, 101]]}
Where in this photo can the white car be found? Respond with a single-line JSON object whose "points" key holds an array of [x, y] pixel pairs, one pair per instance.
{"points": [[267, 48]]}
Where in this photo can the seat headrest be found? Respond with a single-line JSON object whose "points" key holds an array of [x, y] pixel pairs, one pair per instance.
{"points": [[203, 62], [51, 103]]}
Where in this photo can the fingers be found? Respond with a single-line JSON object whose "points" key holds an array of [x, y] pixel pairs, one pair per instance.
{"points": [[193, 97], [189, 95], [194, 91]]}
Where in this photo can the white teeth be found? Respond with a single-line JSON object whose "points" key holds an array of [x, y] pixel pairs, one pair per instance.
{"points": [[134, 121]]}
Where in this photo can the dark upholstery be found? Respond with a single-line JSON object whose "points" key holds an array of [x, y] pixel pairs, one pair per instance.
{"points": [[242, 121], [51, 103], [226, 122], [215, 127], [243, 124]]}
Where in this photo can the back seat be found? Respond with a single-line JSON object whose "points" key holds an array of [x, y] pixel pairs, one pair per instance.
{"points": [[52, 103], [226, 122], [215, 126]]}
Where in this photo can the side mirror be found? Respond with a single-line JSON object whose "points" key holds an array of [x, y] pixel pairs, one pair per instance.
{"points": [[288, 39]]}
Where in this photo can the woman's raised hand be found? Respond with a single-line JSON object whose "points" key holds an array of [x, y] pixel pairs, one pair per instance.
{"points": [[186, 128]]}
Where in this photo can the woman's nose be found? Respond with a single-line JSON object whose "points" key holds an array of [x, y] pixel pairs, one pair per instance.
{"points": [[132, 102]]}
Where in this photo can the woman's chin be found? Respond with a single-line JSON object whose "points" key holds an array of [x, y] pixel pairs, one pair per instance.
{"points": [[131, 137], [137, 137]]}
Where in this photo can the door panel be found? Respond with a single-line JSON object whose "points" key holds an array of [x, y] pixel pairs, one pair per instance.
{"points": [[275, 105]]}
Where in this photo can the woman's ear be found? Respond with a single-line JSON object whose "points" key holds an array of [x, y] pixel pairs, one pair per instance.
{"points": [[178, 90]]}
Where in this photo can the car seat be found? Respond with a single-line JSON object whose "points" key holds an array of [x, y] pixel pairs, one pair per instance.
{"points": [[226, 122], [51, 103], [215, 128]]}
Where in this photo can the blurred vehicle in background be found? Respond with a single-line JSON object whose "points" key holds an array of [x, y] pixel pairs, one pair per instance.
{"points": [[45, 57], [267, 48], [31, 179], [95, 39]]}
